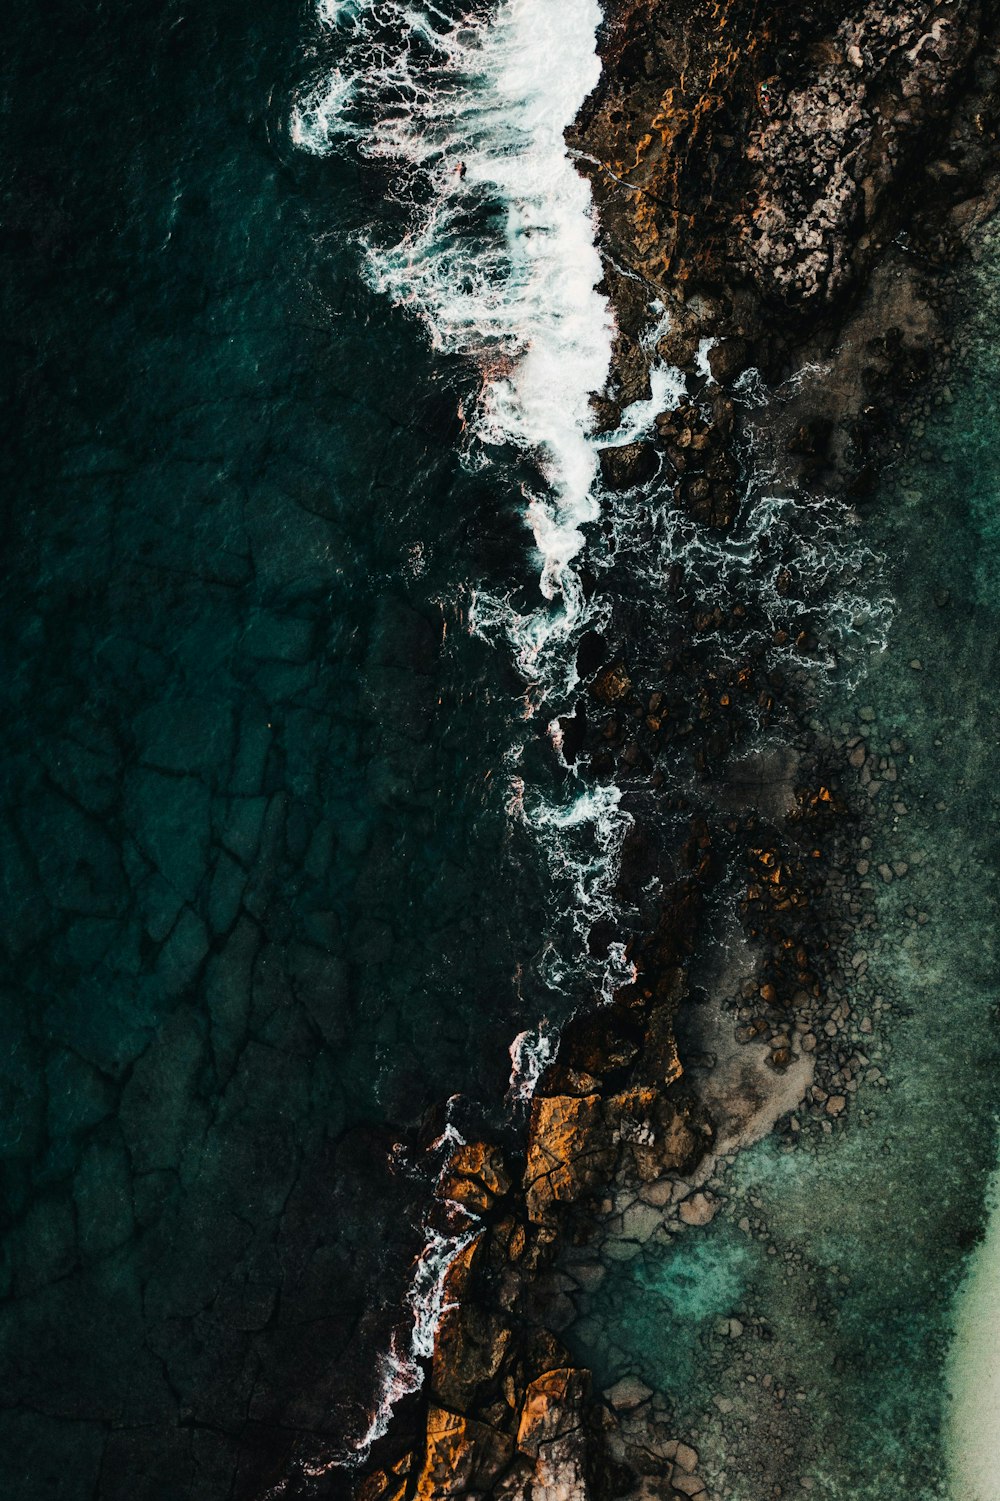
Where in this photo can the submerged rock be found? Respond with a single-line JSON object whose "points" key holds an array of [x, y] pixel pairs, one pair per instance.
{"points": [[627, 1394]]}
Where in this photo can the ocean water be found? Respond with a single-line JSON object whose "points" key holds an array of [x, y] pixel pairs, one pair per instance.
{"points": [[860, 1267], [291, 513], [299, 492]]}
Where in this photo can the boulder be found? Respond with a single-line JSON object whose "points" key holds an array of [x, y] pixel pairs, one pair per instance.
{"points": [[629, 466], [699, 1209], [659, 1137], [387, 1485], [612, 684], [569, 1151], [628, 1394], [472, 1337], [475, 1177], [553, 1406], [461, 1456], [727, 359]]}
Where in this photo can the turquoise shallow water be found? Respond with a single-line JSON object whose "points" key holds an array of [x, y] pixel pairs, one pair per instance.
{"points": [[840, 1259]]}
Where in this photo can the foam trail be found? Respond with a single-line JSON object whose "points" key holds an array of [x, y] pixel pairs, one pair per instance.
{"points": [[668, 386], [499, 260], [401, 1371], [489, 239], [531, 1052], [582, 839]]}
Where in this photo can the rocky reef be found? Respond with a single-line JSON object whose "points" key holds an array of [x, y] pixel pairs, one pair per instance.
{"points": [[787, 187]]}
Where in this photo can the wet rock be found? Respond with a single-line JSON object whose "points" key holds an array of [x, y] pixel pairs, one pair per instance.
{"points": [[657, 1136], [475, 1177], [462, 1455], [472, 1336], [629, 466], [628, 1394], [727, 359], [569, 1151], [612, 684], [699, 1209], [387, 1485], [552, 1408], [640, 1221]]}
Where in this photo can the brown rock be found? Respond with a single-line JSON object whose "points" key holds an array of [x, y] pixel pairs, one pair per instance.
{"points": [[562, 1080], [727, 359], [626, 467], [553, 1406], [686, 1457], [475, 1177], [661, 1062], [593, 1043], [461, 1455], [569, 1151], [649, 1127], [387, 1485], [612, 684], [688, 1485], [699, 1209], [628, 1394], [472, 1338]]}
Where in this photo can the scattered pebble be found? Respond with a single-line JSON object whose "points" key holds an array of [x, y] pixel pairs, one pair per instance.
{"points": [[628, 1394]]}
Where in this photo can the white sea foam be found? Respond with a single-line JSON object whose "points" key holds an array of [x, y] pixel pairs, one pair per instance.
{"points": [[401, 1369], [398, 1376], [499, 261], [667, 385], [582, 838], [531, 1052], [793, 558], [426, 1295]]}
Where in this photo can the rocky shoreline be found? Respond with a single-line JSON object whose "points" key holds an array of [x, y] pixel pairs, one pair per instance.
{"points": [[790, 191]]}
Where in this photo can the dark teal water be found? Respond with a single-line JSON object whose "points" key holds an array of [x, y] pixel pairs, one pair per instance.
{"points": [[263, 910]]}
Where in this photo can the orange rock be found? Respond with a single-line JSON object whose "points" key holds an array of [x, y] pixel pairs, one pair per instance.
{"points": [[462, 1455], [552, 1408], [569, 1151], [385, 1486], [475, 1177], [611, 685]]}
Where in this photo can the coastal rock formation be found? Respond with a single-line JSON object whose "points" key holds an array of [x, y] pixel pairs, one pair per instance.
{"points": [[759, 162], [753, 170], [837, 139], [569, 1151]]}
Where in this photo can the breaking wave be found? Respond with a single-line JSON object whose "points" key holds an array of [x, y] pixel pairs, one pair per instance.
{"points": [[494, 250]]}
